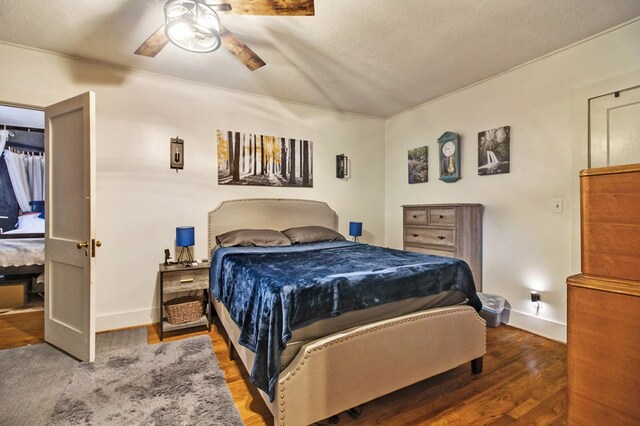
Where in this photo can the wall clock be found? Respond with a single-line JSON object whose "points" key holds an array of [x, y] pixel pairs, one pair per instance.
{"points": [[449, 149]]}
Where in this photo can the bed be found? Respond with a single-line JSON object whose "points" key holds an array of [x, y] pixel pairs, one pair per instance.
{"points": [[22, 254], [330, 365]]}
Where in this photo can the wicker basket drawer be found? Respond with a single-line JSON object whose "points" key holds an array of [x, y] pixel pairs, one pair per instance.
{"points": [[443, 216], [186, 280], [415, 216], [430, 236]]}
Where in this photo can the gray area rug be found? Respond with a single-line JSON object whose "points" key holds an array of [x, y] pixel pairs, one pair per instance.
{"points": [[107, 342], [165, 384], [31, 380]]}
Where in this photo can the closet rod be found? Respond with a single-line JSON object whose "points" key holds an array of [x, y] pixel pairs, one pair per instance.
{"points": [[24, 129], [24, 147]]}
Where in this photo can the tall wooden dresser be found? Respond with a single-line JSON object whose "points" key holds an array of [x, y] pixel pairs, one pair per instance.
{"points": [[603, 312], [452, 230]]}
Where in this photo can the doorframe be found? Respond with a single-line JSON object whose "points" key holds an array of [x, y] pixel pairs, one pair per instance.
{"points": [[580, 145], [37, 108]]}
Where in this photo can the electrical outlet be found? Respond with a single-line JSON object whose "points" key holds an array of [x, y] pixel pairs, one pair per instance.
{"points": [[556, 205]]}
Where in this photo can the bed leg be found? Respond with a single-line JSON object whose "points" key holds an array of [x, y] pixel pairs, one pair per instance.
{"points": [[476, 365]]}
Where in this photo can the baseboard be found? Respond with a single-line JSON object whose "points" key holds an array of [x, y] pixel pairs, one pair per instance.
{"points": [[117, 320], [544, 327]]}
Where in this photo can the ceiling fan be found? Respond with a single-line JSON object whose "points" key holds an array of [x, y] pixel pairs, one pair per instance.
{"points": [[194, 25]]}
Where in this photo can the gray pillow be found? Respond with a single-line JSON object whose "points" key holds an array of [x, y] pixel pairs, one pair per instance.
{"points": [[253, 237], [312, 234]]}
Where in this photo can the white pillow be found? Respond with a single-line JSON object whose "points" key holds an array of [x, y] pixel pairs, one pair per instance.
{"points": [[30, 223]]}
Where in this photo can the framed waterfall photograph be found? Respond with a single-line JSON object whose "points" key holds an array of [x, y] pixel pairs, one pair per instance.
{"points": [[494, 151]]}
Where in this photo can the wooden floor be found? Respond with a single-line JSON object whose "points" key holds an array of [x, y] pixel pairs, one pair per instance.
{"points": [[524, 382]]}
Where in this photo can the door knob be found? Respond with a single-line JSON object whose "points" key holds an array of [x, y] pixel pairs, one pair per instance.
{"points": [[81, 245]]}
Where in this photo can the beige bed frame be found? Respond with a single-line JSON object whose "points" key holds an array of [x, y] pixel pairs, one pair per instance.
{"points": [[349, 368]]}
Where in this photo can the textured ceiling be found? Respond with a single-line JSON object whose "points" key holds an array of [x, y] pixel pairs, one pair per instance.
{"points": [[373, 57]]}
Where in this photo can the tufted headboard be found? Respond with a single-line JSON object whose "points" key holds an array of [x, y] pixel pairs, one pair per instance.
{"points": [[268, 213]]}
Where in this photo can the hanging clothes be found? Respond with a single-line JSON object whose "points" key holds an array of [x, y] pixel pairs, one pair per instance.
{"points": [[19, 181], [36, 179], [4, 135]]}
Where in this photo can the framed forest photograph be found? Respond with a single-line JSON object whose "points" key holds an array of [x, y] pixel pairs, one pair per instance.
{"points": [[494, 151], [418, 165], [261, 160]]}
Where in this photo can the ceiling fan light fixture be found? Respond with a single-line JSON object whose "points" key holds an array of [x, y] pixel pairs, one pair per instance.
{"points": [[192, 25]]}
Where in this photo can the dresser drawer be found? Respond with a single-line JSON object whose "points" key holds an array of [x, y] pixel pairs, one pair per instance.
{"points": [[185, 280], [427, 250], [431, 236], [443, 216], [415, 216]]}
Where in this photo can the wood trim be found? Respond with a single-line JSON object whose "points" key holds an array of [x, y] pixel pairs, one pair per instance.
{"points": [[630, 288], [627, 168]]}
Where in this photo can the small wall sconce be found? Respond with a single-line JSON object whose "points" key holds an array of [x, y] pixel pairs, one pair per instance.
{"points": [[342, 166], [177, 154], [535, 298], [355, 230]]}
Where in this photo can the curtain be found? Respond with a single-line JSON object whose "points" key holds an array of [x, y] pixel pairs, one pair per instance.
{"points": [[26, 172]]}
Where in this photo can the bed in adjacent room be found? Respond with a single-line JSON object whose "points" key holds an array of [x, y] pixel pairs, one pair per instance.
{"points": [[22, 254], [323, 324]]}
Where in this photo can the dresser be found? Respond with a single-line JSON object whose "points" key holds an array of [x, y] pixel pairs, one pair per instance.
{"points": [[452, 230], [603, 302]]}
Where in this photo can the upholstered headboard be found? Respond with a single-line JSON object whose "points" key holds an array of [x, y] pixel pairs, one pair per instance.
{"points": [[268, 213]]}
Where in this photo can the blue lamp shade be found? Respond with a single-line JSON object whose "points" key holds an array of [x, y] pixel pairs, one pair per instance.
{"points": [[355, 229], [185, 236]]}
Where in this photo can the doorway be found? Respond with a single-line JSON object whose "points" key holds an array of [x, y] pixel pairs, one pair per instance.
{"points": [[614, 128], [22, 215]]}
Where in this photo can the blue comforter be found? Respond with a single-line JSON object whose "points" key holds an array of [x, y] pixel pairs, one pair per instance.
{"points": [[270, 291]]}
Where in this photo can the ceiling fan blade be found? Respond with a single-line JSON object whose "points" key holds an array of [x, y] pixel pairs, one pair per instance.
{"points": [[270, 7], [154, 44], [220, 7], [240, 50]]}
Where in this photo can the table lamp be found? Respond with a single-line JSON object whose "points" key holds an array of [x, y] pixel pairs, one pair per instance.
{"points": [[355, 230], [185, 238]]}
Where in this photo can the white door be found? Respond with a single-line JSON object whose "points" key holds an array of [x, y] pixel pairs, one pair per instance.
{"points": [[614, 129], [69, 234]]}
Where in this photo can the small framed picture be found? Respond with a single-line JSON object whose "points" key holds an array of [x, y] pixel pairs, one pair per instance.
{"points": [[494, 151], [418, 163]]}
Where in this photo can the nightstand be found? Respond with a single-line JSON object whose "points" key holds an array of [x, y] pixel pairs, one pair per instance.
{"points": [[180, 278]]}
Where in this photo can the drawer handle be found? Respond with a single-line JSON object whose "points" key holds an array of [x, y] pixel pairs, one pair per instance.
{"points": [[186, 280], [441, 217], [415, 216], [415, 235], [440, 237]]}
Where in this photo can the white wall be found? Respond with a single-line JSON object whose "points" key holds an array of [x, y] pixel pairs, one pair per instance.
{"points": [[526, 246], [140, 200]]}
